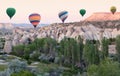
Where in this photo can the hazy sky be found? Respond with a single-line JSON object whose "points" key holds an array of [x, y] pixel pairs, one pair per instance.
{"points": [[49, 9]]}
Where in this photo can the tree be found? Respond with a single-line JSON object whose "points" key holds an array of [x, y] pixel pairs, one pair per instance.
{"points": [[26, 53], [47, 45], [81, 46], [87, 53], [96, 54], [65, 50], [105, 44], [61, 51], [39, 43], [118, 47], [28, 50], [90, 53], [105, 68], [35, 55], [74, 50], [18, 50], [70, 50]]}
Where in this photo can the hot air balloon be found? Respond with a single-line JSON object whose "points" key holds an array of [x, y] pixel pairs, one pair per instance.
{"points": [[34, 19], [63, 15], [10, 12], [113, 9], [82, 12]]}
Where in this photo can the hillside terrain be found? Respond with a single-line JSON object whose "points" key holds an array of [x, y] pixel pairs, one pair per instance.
{"points": [[59, 46], [91, 29]]}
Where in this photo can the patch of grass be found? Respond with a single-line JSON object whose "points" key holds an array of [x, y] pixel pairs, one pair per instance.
{"points": [[8, 58], [3, 67], [42, 67]]}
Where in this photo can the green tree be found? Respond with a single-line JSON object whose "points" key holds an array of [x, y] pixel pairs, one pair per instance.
{"points": [[81, 46], [70, 50], [47, 45], [28, 50], [90, 53], [96, 54], [18, 50], [105, 44], [35, 55], [105, 68], [74, 51], [118, 47], [87, 53], [65, 49], [61, 51], [39, 43]]}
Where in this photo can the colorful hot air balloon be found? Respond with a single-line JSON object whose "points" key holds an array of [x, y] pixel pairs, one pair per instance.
{"points": [[82, 12], [10, 12], [34, 19], [63, 15], [113, 9]]}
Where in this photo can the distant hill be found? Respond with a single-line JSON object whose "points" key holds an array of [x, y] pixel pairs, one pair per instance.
{"points": [[103, 16], [6, 26], [27, 25]]}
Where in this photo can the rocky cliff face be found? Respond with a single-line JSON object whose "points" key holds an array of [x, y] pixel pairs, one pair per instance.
{"points": [[93, 28], [5, 29], [8, 44], [87, 30]]}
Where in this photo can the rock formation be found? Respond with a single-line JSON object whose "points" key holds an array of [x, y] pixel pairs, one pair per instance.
{"points": [[8, 44], [103, 16], [89, 29]]}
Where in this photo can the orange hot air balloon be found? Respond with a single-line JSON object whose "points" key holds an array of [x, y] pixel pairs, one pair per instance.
{"points": [[34, 19]]}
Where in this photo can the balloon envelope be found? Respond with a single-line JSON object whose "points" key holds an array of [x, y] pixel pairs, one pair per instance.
{"points": [[34, 19], [82, 12], [10, 12], [63, 15], [113, 9]]}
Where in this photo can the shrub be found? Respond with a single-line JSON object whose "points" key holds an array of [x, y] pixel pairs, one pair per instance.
{"points": [[16, 66]]}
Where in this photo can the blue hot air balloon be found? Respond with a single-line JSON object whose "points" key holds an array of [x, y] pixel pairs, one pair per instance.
{"points": [[63, 15]]}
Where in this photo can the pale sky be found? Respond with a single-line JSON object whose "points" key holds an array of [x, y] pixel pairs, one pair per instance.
{"points": [[49, 9]]}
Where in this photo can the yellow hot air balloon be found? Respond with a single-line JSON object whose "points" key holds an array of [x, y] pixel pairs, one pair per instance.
{"points": [[113, 9]]}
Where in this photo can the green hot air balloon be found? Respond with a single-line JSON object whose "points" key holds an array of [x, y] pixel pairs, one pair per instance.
{"points": [[10, 12], [82, 12]]}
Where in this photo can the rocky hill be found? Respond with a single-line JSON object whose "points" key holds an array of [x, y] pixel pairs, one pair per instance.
{"points": [[86, 29], [92, 30], [103, 16]]}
